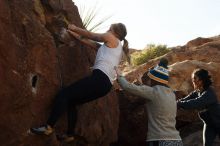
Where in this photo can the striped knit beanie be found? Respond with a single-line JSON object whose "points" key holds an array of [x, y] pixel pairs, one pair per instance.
{"points": [[160, 72]]}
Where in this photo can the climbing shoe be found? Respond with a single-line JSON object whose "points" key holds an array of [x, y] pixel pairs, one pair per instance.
{"points": [[43, 130], [66, 138]]}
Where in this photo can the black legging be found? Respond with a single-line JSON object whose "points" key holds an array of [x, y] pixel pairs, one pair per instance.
{"points": [[85, 90], [209, 134], [165, 143]]}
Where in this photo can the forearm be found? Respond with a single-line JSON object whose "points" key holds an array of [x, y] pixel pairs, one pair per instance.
{"points": [[99, 37], [200, 102], [85, 41], [187, 105], [143, 91], [89, 43], [87, 34], [82, 32], [123, 83], [192, 95]]}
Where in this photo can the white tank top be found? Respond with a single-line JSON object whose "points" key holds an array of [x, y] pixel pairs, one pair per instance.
{"points": [[107, 58]]}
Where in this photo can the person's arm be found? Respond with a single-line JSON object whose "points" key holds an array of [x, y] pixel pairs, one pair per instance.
{"points": [[99, 37], [88, 42], [142, 91], [191, 95], [204, 100]]}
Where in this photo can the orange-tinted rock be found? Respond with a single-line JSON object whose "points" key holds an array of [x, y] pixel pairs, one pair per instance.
{"points": [[180, 74], [198, 42], [34, 65], [208, 52], [133, 120]]}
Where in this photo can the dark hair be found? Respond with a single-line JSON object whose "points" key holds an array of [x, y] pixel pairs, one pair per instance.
{"points": [[144, 77], [204, 76], [163, 62]]}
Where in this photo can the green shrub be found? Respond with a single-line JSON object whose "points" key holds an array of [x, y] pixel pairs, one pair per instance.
{"points": [[151, 51]]}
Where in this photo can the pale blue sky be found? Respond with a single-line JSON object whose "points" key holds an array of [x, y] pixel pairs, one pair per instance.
{"points": [[170, 22]]}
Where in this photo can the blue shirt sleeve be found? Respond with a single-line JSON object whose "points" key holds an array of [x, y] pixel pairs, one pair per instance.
{"points": [[202, 101]]}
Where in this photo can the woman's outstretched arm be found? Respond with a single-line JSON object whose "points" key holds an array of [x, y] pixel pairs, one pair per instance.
{"points": [[99, 37], [85, 41], [144, 91]]}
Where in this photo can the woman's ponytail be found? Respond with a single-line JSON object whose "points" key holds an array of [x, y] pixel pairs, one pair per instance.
{"points": [[126, 51], [121, 32]]}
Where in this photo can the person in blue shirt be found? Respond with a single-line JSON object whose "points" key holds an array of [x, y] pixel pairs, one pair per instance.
{"points": [[204, 99]]}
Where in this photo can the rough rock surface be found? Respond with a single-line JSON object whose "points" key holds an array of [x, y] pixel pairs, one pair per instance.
{"points": [[35, 65], [133, 120]]}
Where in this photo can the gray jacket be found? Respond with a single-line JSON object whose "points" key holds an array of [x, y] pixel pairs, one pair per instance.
{"points": [[161, 107]]}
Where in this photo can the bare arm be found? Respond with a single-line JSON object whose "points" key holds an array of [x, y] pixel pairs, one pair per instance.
{"points": [[88, 42], [99, 37]]}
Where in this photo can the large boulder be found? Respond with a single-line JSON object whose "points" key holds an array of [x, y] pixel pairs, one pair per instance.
{"points": [[133, 120], [207, 52], [180, 74], [35, 65]]}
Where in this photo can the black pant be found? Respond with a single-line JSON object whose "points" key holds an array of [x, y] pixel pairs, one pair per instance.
{"points": [[85, 90], [165, 143], [152, 143], [209, 134]]}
